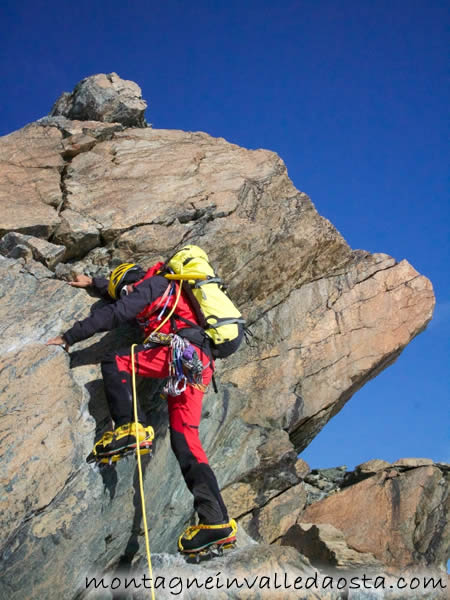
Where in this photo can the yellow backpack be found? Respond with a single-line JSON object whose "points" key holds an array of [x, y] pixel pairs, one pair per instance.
{"points": [[217, 315]]}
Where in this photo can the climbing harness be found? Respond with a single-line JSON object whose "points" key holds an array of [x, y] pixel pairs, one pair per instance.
{"points": [[141, 479]]}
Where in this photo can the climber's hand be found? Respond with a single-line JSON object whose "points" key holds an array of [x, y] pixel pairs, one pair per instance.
{"points": [[81, 281], [58, 341]]}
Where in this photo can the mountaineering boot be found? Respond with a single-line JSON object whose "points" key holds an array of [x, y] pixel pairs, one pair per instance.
{"points": [[199, 538], [104, 441], [121, 441], [126, 437]]}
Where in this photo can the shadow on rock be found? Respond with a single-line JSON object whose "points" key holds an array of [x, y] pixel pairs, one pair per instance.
{"points": [[98, 408], [124, 565], [154, 406], [93, 354], [109, 477]]}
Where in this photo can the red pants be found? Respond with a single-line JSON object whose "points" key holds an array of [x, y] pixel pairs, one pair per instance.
{"points": [[185, 413]]}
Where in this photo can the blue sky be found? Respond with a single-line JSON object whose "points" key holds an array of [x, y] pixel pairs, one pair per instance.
{"points": [[353, 95]]}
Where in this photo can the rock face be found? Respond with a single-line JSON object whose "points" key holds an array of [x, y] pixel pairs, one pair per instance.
{"points": [[399, 515], [30, 181], [106, 98], [325, 319]]}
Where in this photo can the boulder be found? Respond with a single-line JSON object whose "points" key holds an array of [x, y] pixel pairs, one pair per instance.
{"points": [[13, 245], [106, 98]]}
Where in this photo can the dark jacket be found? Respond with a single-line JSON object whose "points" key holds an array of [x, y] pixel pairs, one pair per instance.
{"points": [[125, 310]]}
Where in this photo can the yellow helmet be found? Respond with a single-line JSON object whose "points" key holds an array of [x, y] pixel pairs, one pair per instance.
{"points": [[117, 277]]}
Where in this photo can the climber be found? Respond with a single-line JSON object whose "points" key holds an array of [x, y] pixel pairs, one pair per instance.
{"points": [[145, 296]]}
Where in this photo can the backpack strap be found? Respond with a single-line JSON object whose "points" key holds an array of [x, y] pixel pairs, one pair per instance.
{"points": [[201, 282], [190, 323], [201, 321], [220, 322]]}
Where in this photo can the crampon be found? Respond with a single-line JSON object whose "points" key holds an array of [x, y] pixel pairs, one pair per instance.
{"points": [[113, 458], [201, 542], [210, 552], [114, 445]]}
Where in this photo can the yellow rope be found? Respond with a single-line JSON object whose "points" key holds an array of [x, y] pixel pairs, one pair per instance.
{"points": [[138, 448], [141, 484], [172, 310]]}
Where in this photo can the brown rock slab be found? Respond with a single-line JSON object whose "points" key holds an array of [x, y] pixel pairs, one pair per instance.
{"points": [[147, 242], [76, 144], [269, 523], [77, 233], [240, 498], [162, 177], [30, 180], [327, 339], [373, 466], [399, 518], [413, 462]]}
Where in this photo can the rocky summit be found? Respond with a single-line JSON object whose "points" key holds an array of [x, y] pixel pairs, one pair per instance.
{"points": [[91, 186]]}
